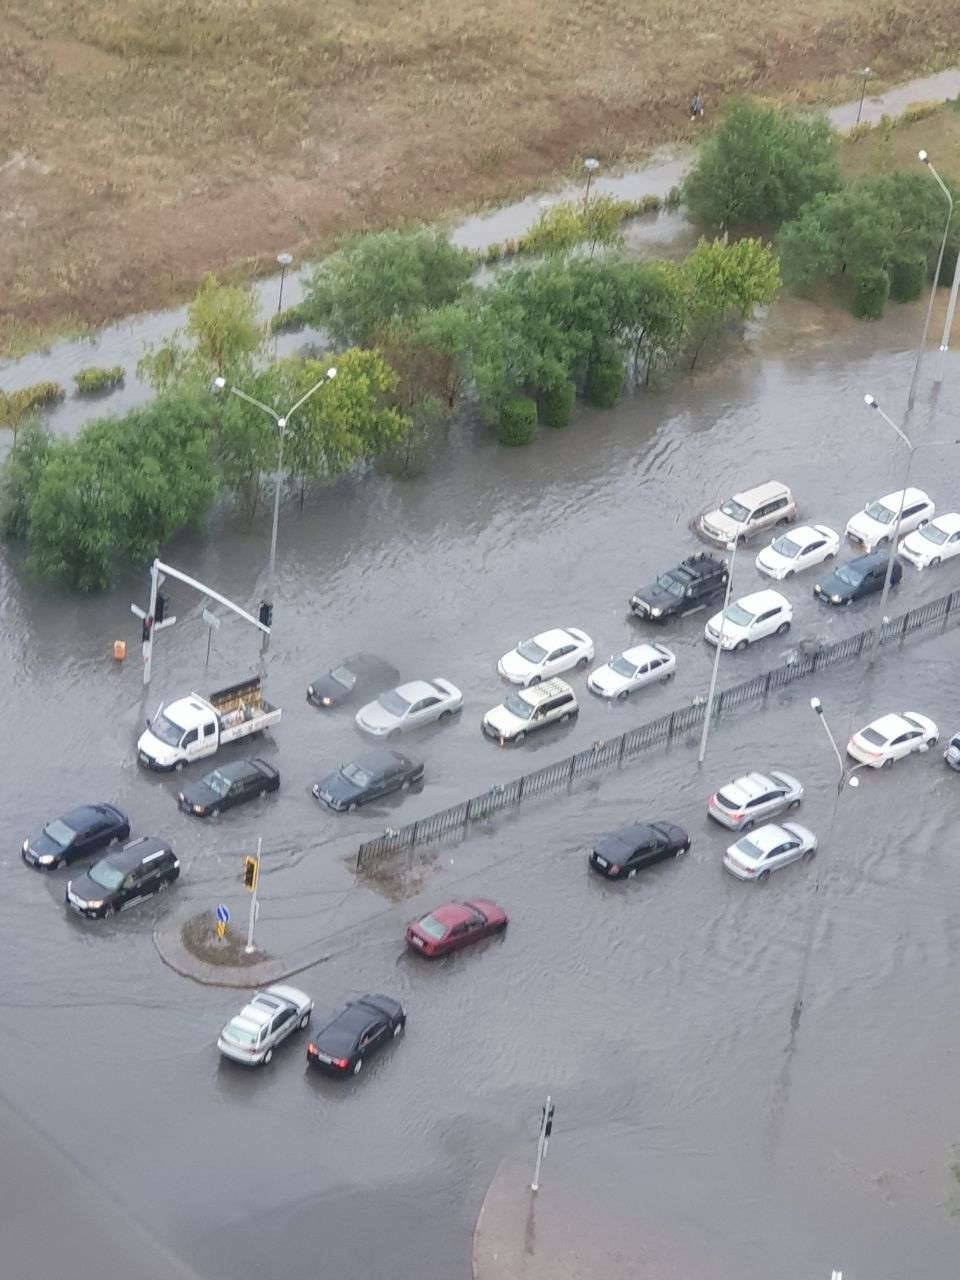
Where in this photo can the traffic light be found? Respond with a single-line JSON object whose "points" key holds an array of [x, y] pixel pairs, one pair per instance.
{"points": [[146, 628], [250, 873], [160, 608], [546, 1119], [266, 614]]}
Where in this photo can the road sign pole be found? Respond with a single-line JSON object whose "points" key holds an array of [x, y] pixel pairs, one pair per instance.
{"points": [[546, 1123], [249, 948], [151, 614]]}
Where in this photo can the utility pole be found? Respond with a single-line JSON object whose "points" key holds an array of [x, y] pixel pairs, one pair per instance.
{"points": [[249, 948], [546, 1128]]}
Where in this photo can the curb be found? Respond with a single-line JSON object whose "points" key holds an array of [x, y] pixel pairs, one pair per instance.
{"points": [[177, 957], [478, 1225]]}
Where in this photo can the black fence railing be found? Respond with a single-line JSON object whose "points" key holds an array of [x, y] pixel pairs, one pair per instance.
{"points": [[611, 754]]}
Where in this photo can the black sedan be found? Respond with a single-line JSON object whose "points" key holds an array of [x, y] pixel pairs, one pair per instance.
{"points": [[374, 774], [356, 677], [78, 833], [229, 785], [360, 1029], [621, 854], [862, 576]]}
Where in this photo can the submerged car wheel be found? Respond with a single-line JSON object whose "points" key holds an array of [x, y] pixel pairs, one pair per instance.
{"points": [[934, 562], [215, 811], [931, 742], [740, 646], [405, 785], [398, 1030], [521, 737], [267, 1057], [623, 695], [808, 855], [764, 875], [352, 807], [888, 762], [358, 1066], [582, 664], [794, 804], [783, 628], [305, 1020]]}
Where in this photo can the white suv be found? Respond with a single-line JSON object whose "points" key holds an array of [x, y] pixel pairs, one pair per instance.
{"points": [[765, 613], [527, 710], [873, 526], [747, 513]]}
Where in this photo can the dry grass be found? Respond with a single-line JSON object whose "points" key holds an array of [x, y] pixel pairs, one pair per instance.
{"points": [[895, 146], [143, 142]]}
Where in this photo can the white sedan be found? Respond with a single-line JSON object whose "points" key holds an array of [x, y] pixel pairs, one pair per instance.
{"points": [[409, 706], [768, 849], [764, 613], [546, 655], [644, 664], [892, 737], [797, 550], [936, 541]]}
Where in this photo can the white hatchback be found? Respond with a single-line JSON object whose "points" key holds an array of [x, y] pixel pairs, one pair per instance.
{"points": [[936, 541], [798, 550], [634, 668], [546, 655], [892, 737], [873, 526], [764, 613]]}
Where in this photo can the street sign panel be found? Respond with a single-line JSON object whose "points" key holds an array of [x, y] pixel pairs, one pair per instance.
{"points": [[211, 619], [223, 914]]}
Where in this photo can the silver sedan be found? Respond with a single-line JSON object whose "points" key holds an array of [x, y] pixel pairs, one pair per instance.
{"points": [[409, 706], [265, 1022], [753, 798], [768, 849]]}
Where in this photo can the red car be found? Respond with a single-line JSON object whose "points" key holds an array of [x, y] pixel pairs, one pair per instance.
{"points": [[455, 925]]}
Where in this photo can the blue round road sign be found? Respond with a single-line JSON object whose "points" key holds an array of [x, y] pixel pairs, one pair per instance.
{"points": [[223, 915]]}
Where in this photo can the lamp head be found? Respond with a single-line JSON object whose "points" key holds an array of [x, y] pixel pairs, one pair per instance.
{"points": [[284, 259], [854, 781], [923, 157], [591, 165], [817, 706], [219, 384], [871, 402], [331, 373]]}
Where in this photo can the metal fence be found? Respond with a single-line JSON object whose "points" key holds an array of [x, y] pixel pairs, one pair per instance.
{"points": [[611, 754]]}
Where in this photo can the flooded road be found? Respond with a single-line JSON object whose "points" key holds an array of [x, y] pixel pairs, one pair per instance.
{"points": [[658, 1013]]}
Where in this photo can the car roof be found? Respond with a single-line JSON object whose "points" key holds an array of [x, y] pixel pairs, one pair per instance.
{"points": [[760, 493], [132, 854], [890, 725], [235, 769], [948, 521], [700, 564], [910, 495], [747, 787], [538, 693], [554, 638], [378, 759], [803, 533], [452, 913], [188, 712], [644, 652], [760, 600], [84, 815], [768, 837], [414, 690]]}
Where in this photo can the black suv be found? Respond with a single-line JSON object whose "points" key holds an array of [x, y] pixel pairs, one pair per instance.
{"points": [[693, 584], [862, 576], [141, 868]]}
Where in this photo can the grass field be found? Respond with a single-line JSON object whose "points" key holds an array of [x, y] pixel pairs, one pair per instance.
{"points": [[143, 142]]}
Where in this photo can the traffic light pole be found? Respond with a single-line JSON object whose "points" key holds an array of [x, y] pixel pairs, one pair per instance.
{"points": [[249, 948], [546, 1128]]}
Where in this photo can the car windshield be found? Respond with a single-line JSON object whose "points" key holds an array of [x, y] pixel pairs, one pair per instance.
{"points": [[518, 707], [875, 739], [739, 616], [748, 849], [217, 783], [669, 583], [432, 927], [392, 702], [106, 875], [241, 1032], [933, 534], [622, 667], [532, 651], [357, 775], [734, 510], [787, 547], [343, 676], [164, 729], [59, 833], [846, 573], [883, 515]]}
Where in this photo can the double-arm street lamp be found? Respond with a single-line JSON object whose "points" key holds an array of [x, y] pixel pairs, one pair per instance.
{"points": [[281, 421]]}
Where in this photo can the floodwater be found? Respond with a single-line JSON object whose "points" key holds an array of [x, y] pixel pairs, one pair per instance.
{"points": [[789, 1117]]}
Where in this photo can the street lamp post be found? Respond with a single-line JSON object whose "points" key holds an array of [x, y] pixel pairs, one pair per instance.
{"points": [[847, 772], [865, 75], [925, 159], [591, 167], [281, 421], [871, 403], [708, 715], [948, 320], [284, 259]]}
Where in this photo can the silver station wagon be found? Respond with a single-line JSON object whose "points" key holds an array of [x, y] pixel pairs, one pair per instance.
{"points": [[753, 798], [265, 1022]]}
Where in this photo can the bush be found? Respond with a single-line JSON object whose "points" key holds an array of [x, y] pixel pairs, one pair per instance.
{"points": [[871, 290], [517, 423], [18, 405], [605, 379], [556, 404], [289, 320], [94, 379], [907, 277]]}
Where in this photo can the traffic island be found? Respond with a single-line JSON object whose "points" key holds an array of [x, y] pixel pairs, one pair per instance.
{"points": [[199, 935]]}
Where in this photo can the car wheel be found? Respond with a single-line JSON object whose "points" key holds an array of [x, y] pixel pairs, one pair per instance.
{"points": [[794, 804], [789, 574], [358, 1066], [392, 733], [521, 737], [444, 715], [808, 855], [888, 762], [931, 742], [746, 826], [783, 628], [304, 1021], [566, 716], [267, 1057], [631, 873], [623, 695], [215, 811], [398, 1030], [740, 646], [405, 785], [179, 766], [667, 676], [934, 562], [532, 681], [763, 876], [352, 807], [582, 664]]}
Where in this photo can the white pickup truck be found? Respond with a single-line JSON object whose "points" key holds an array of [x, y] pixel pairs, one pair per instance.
{"points": [[193, 727]]}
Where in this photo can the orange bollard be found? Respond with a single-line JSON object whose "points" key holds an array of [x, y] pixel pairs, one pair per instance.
{"points": [[119, 650]]}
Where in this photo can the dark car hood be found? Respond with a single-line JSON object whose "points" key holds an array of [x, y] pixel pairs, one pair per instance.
{"points": [[326, 687], [88, 889], [654, 594], [200, 793], [338, 787], [39, 843], [831, 585]]}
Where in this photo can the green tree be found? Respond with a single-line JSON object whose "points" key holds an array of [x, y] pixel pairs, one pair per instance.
{"points": [[724, 280], [568, 223], [374, 280], [222, 337], [22, 469], [761, 165]]}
